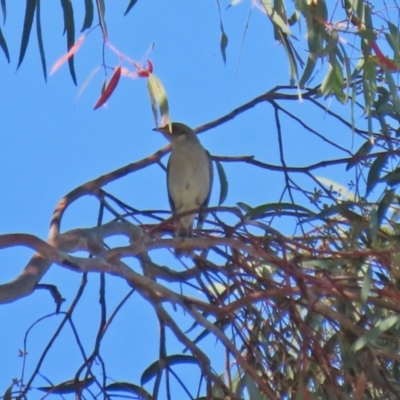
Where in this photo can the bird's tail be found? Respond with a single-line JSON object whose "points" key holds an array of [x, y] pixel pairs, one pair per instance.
{"points": [[182, 232]]}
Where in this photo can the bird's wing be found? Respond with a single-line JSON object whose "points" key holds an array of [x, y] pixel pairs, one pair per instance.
{"points": [[171, 202], [202, 213]]}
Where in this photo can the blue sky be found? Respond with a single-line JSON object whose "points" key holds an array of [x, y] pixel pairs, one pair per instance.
{"points": [[48, 146]]}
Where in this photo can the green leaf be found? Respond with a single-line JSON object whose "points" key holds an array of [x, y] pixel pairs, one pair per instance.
{"points": [[153, 103], [384, 279], [71, 386], [169, 361], [276, 18], [223, 183], [102, 13], [384, 204], [128, 388], [364, 13], [130, 5], [387, 109], [375, 172], [393, 39], [279, 8], [392, 178], [308, 70], [294, 18], [8, 393], [224, 38], [260, 211], [28, 20], [87, 22], [223, 44], [392, 86], [358, 68], [331, 45], [328, 264], [373, 223], [362, 151], [40, 41], [341, 52], [325, 213], [369, 83], [372, 335], [366, 287], [3, 45], [341, 190], [393, 44], [346, 212], [69, 27], [251, 387], [334, 81], [245, 207], [291, 56], [158, 96], [4, 10]]}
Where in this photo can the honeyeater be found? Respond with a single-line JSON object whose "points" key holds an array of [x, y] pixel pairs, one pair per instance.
{"points": [[189, 178]]}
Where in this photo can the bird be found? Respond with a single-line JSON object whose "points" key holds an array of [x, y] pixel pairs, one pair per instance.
{"points": [[189, 179]]}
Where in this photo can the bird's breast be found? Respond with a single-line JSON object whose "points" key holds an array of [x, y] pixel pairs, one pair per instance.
{"points": [[188, 176]]}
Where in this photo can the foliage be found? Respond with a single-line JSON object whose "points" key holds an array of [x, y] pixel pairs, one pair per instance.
{"points": [[311, 314]]}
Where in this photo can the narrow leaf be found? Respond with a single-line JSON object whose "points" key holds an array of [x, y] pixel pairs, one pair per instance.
{"points": [[3, 45], [70, 53], [325, 213], [102, 12], [224, 38], [153, 103], [384, 204], [223, 183], [8, 393], [331, 44], [245, 207], [308, 70], [392, 178], [69, 27], [362, 151], [40, 41], [28, 20], [68, 387], [169, 361], [150, 372], [372, 335], [86, 83], [279, 8], [109, 89], [177, 359], [291, 56], [366, 285], [87, 22], [276, 18], [260, 211], [128, 388], [233, 3], [4, 10], [130, 5], [158, 97], [375, 172], [373, 223], [294, 18], [346, 62], [252, 388], [223, 44], [341, 190]]}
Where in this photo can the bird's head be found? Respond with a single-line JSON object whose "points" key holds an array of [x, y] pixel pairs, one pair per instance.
{"points": [[175, 131]]}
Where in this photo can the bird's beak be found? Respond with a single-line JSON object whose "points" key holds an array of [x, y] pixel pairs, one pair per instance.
{"points": [[166, 129]]}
